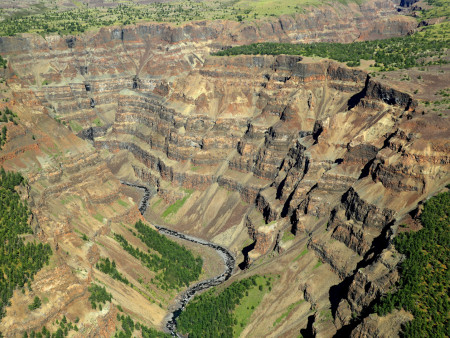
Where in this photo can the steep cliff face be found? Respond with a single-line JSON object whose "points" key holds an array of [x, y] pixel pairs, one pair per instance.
{"points": [[253, 148], [334, 22]]}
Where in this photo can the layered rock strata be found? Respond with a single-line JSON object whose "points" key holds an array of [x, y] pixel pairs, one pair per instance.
{"points": [[254, 149]]}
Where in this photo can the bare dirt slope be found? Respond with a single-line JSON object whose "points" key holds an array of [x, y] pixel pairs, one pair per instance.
{"points": [[245, 151]]}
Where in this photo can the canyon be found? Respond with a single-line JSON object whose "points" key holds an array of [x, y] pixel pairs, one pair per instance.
{"points": [[301, 167]]}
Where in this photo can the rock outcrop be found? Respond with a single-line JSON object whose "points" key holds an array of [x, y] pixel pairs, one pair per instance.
{"points": [[253, 149]]}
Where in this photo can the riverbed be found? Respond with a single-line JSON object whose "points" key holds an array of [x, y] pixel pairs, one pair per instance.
{"points": [[184, 298]]}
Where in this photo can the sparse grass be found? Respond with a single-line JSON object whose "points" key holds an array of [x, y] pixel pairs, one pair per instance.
{"points": [[154, 205], [441, 8], [325, 315], [65, 20], [304, 252], [248, 304], [122, 203], [194, 168], [97, 122], [287, 312], [287, 236], [247, 242], [173, 208], [263, 222], [319, 263], [98, 217], [84, 237], [75, 126], [66, 200]]}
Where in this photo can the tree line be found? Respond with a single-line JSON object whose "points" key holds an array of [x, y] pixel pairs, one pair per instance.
{"points": [[129, 327], [99, 296], [3, 62], [6, 116], [63, 330], [423, 288], [19, 262], [175, 265], [108, 267], [389, 54], [211, 314]]}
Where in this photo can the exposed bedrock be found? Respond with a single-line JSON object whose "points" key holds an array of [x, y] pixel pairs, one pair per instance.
{"points": [[368, 20], [280, 147], [256, 147]]}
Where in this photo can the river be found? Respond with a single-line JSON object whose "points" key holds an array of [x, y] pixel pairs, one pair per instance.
{"points": [[188, 294]]}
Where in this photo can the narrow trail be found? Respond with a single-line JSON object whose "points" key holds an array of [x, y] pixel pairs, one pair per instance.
{"points": [[183, 299]]}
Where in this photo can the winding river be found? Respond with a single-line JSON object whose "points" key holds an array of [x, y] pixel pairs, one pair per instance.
{"points": [[186, 296], [144, 201]]}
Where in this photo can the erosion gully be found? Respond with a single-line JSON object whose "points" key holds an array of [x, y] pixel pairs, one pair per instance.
{"points": [[187, 295]]}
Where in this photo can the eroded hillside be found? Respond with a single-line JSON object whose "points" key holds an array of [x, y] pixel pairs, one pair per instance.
{"points": [[302, 167]]}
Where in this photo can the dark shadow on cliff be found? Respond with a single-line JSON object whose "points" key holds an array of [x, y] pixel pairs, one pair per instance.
{"points": [[355, 99], [244, 265], [286, 205], [308, 332], [338, 292], [280, 188], [366, 170]]}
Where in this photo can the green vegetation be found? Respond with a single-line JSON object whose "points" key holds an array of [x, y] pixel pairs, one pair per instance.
{"points": [[256, 9], [84, 237], [319, 263], [422, 48], [304, 252], [122, 203], [445, 93], [3, 62], [3, 137], [97, 122], [423, 288], [173, 208], [249, 303], [128, 327], [441, 8], [154, 205], [19, 262], [98, 295], [216, 314], [74, 21], [6, 116], [325, 315], [99, 217], [263, 222], [42, 20], [57, 118], [65, 326], [75, 126], [176, 266], [287, 236], [287, 312], [105, 266], [36, 304]]}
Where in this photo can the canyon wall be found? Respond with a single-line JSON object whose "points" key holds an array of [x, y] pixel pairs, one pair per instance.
{"points": [[258, 147]]}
